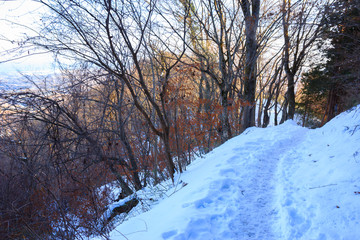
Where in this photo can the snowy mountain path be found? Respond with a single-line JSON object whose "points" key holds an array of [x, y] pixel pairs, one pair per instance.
{"points": [[243, 171], [283, 182], [256, 213], [246, 181]]}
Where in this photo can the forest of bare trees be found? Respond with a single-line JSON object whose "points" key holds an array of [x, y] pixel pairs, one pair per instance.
{"points": [[150, 85]]}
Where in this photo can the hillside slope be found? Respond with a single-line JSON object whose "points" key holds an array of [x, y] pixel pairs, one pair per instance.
{"points": [[283, 182]]}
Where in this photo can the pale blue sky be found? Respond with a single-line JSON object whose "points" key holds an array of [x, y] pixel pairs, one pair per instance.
{"points": [[14, 16]]}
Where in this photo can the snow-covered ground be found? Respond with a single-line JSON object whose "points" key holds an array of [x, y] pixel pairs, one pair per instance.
{"points": [[284, 182]]}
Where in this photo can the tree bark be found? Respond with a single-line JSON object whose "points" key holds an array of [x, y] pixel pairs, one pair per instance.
{"points": [[290, 104], [251, 14]]}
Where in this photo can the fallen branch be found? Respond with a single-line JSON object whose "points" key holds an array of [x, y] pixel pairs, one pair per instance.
{"points": [[323, 186], [125, 208]]}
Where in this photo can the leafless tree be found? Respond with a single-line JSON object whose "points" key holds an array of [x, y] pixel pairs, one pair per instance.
{"points": [[114, 36], [301, 28]]}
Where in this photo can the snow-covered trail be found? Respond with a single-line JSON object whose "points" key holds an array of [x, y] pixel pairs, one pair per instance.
{"points": [[256, 212], [230, 193], [284, 182]]}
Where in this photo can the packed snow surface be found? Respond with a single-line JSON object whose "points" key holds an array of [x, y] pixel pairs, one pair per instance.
{"points": [[283, 182]]}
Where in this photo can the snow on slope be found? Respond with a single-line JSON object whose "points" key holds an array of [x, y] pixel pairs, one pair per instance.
{"points": [[283, 182], [318, 191]]}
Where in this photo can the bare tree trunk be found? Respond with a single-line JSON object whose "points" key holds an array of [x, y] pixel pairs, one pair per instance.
{"points": [[276, 112], [298, 40], [260, 110], [125, 190], [224, 118], [170, 163], [123, 136], [251, 13], [289, 74], [284, 115], [271, 92]]}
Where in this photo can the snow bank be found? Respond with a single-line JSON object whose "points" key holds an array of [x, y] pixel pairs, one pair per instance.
{"points": [[319, 183], [284, 182]]}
